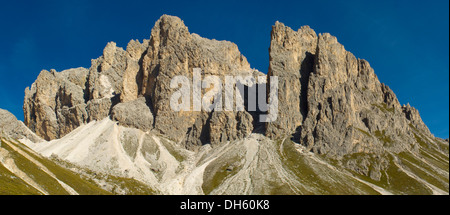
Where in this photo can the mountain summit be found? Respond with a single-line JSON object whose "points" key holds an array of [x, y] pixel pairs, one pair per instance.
{"points": [[338, 129]]}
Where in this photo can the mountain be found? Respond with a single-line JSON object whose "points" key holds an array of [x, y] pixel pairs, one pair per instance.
{"points": [[338, 130]]}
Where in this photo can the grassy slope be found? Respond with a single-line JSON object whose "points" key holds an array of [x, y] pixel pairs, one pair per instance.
{"points": [[320, 177], [48, 183], [12, 185], [315, 177]]}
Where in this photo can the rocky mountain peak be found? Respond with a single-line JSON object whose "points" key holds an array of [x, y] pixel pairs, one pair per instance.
{"points": [[169, 29], [143, 70]]}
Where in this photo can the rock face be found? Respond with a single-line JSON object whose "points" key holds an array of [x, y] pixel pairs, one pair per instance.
{"points": [[135, 114], [13, 128], [174, 51], [59, 102], [55, 103], [291, 59], [227, 126], [345, 99], [132, 77]]}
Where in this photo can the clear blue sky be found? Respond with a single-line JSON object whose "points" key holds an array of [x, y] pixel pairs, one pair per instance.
{"points": [[406, 42]]}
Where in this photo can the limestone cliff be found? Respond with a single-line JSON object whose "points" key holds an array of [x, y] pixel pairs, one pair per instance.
{"points": [[334, 104], [59, 102]]}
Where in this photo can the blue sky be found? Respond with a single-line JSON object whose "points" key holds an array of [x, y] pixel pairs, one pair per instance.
{"points": [[406, 42]]}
